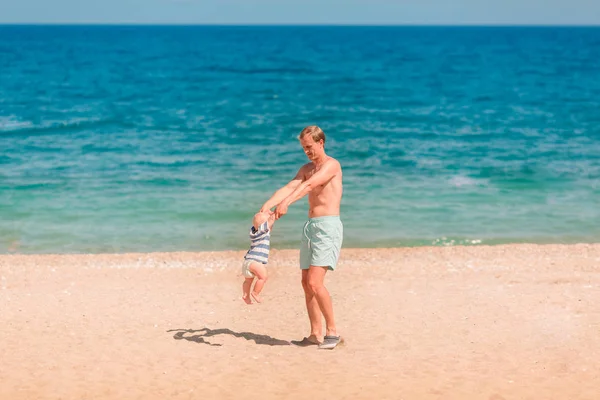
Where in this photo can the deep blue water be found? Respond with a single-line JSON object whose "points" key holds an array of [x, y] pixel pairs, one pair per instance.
{"points": [[123, 138]]}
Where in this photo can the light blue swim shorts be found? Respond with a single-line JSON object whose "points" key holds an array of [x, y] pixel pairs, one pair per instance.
{"points": [[321, 242]]}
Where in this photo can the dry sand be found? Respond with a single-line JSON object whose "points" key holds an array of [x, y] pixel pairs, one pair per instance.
{"points": [[501, 322]]}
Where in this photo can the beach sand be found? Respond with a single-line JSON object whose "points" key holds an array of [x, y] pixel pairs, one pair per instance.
{"points": [[493, 323]]}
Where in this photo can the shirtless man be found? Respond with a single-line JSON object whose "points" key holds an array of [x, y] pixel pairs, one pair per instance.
{"points": [[323, 233]]}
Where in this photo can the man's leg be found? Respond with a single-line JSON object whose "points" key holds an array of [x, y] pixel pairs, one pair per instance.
{"points": [[312, 306], [315, 277]]}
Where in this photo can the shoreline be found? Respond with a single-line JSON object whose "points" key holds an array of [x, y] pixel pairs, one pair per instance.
{"points": [[384, 244], [286, 249]]}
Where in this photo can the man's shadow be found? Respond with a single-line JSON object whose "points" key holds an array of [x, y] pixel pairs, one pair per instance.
{"points": [[200, 335]]}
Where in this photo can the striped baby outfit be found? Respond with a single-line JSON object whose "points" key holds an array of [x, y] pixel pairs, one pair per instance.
{"points": [[260, 243]]}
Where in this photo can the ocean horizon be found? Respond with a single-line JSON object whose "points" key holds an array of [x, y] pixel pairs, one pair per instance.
{"points": [[284, 25], [143, 138]]}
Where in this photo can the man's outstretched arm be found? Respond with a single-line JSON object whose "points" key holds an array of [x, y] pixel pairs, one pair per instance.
{"points": [[329, 170], [284, 192]]}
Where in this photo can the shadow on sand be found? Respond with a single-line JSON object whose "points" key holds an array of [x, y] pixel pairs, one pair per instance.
{"points": [[200, 335]]}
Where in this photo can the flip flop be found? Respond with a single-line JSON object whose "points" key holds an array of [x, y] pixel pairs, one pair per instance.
{"points": [[304, 342], [330, 342]]}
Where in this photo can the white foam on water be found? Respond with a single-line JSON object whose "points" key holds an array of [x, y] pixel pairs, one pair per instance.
{"points": [[445, 241], [461, 180], [12, 123]]}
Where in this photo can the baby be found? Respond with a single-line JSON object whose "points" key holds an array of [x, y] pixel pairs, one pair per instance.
{"points": [[256, 258]]}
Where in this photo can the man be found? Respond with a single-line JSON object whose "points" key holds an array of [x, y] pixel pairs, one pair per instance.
{"points": [[322, 237]]}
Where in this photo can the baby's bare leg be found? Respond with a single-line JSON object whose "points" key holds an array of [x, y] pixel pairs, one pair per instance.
{"points": [[261, 278], [246, 290]]}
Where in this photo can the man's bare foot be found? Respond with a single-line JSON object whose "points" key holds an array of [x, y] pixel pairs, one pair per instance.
{"points": [[255, 297], [246, 299]]}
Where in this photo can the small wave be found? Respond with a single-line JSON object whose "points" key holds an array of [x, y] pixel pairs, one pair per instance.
{"points": [[12, 123], [52, 127], [460, 181], [258, 71], [444, 241]]}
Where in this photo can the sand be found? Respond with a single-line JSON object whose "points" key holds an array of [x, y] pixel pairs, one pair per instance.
{"points": [[493, 323]]}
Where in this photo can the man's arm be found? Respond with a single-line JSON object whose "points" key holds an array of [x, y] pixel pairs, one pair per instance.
{"points": [[285, 191], [329, 170], [271, 221]]}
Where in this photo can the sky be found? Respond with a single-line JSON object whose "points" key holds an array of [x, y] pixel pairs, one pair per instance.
{"points": [[347, 12]]}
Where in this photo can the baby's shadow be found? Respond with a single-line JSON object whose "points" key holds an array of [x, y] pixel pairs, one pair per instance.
{"points": [[200, 335]]}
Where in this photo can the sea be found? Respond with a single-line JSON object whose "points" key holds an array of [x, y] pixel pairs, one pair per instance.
{"points": [[169, 138]]}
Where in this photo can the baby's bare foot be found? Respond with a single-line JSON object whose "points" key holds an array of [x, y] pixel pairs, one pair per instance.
{"points": [[255, 297], [246, 299]]}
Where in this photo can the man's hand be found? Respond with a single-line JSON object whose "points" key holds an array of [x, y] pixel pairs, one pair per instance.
{"points": [[264, 209], [281, 210]]}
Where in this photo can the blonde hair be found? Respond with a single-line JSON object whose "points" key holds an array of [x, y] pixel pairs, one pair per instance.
{"points": [[314, 131]]}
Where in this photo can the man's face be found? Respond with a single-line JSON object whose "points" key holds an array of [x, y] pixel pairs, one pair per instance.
{"points": [[311, 148]]}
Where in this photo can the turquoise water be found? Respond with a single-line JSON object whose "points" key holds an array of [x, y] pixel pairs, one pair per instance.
{"points": [[118, 139]]}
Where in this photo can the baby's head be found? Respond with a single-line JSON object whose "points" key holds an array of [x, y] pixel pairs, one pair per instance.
{"points": [[260, 218]]}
